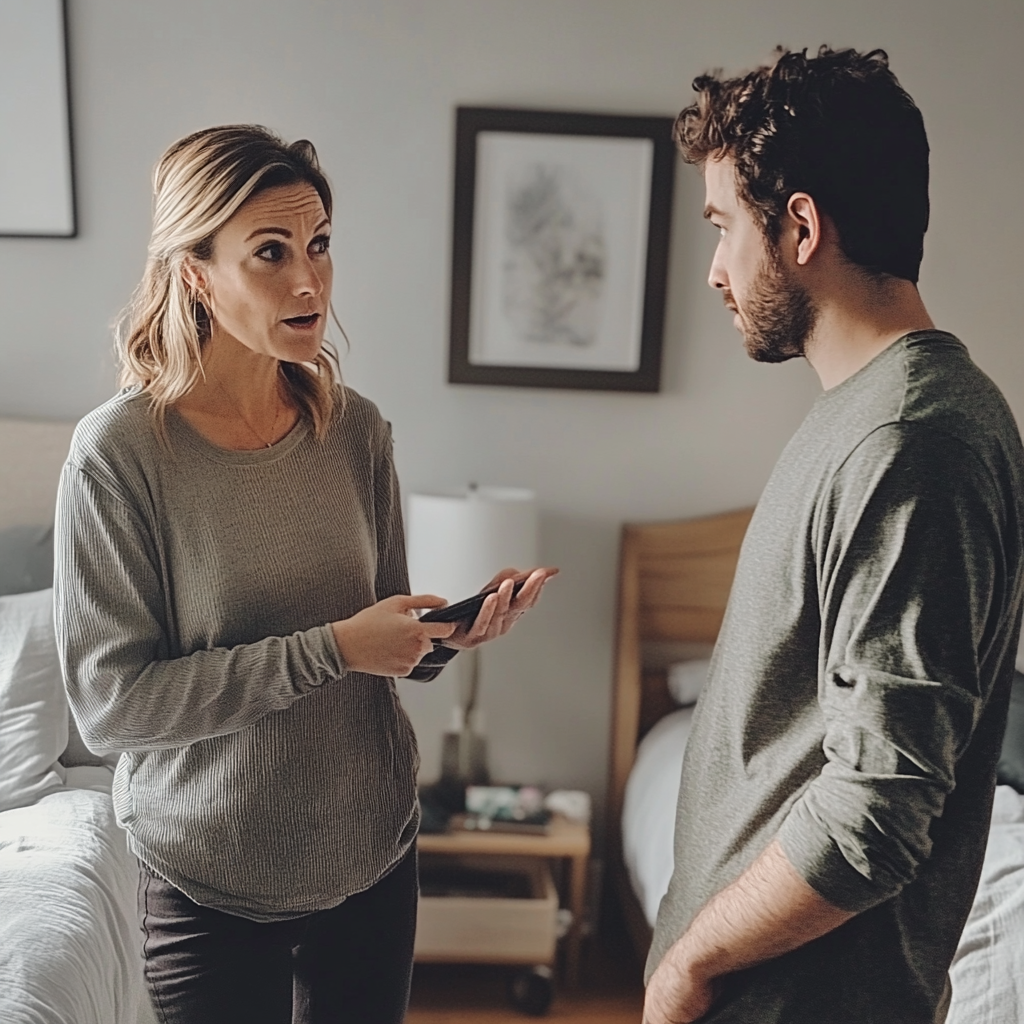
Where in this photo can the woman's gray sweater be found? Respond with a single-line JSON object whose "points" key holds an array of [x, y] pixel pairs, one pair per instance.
{"points": [[193, 587]]}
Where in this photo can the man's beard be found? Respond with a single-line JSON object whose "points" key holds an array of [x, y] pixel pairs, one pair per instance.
{"points": [[778, 315]]}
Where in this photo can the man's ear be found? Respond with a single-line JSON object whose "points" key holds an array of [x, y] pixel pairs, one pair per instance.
{"points": [[804, 226]]}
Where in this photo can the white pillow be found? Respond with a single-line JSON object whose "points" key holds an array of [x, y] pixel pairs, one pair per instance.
{"points": [[686, 679], [33, 707]]}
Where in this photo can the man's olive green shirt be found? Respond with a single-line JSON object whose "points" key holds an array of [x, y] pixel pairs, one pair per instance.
{"points": [[859, 687]]}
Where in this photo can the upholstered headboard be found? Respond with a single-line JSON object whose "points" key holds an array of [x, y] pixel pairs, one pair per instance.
{"points": [[31, 455]]}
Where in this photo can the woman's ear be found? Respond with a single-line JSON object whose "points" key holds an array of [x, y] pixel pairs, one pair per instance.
{"points": [[804, 222], [193, 276]]}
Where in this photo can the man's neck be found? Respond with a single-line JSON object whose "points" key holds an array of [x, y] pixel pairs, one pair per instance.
{"points": [[859, 321]]}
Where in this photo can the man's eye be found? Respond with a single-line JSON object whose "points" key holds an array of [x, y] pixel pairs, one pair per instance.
{"points": [[273, 252]]}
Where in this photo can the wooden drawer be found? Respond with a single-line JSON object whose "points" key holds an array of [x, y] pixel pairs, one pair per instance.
{"points": [[507, 929]]}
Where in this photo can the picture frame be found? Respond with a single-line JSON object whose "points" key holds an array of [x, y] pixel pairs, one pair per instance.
{"points": [[37, 181], [560, 248]]}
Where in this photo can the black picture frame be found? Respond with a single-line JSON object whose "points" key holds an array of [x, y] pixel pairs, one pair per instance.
{"points": [[647, 294], [64, 224]]}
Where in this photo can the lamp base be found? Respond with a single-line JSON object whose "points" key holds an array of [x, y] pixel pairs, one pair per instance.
{"points": [[464, 758]]}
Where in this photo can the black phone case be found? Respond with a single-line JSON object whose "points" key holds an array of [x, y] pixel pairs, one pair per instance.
{"points": [[466, 610]]}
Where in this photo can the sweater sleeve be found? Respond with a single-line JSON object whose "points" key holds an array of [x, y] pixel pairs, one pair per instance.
{"points": [[392, 570], [909, 564], [116, 639]]}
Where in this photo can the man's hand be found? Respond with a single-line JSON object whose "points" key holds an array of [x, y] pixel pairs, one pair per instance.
{"points": [[500, 610], [769, 910], [676, 993]]}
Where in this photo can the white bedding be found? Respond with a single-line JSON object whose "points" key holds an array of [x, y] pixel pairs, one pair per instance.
{"points": [[69, 949], [988, 971], [649, 809]]}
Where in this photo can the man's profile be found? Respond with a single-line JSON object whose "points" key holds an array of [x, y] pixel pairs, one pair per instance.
{"points": [[838, 782]]}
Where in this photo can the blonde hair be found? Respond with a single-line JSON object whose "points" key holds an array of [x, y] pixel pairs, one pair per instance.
{"points": [[199, 183]]}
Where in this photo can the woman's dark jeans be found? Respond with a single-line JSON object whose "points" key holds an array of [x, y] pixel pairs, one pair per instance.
{"points": [[352, 963]]}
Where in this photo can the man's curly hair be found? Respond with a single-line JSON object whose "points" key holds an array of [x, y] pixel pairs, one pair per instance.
{"points": [[838, 126]]}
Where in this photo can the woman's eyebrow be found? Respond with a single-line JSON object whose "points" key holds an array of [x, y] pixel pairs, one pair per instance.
{"points": [[284, 232]]}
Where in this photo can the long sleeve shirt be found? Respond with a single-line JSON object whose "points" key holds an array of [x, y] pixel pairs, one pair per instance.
{"points": [[859, 687], [194, 587]]}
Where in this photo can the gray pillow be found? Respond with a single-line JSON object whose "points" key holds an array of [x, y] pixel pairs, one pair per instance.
{"points": [[1010, 771], [26, 559]]}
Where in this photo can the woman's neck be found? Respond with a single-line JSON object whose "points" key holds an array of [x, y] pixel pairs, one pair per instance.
{"points": [[239, 402]]}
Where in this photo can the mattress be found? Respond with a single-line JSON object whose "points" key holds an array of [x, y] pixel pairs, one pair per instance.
{"points": [[69, 946], [988, 971]]}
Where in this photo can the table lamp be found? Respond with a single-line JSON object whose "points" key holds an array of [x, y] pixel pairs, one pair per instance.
{"points": [[456, 542]]}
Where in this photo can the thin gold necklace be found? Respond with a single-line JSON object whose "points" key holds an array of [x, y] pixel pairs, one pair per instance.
{"points": [[242, 416]]}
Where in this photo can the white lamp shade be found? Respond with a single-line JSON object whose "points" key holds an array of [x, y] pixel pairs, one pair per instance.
{"points": [[458, 541]]}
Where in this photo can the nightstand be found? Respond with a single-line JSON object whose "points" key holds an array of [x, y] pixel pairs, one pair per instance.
{"points": [[566, 841]]}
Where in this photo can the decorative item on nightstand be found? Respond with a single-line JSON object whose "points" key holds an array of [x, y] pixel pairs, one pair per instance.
{"points": [[457, 541], [516, 809]]}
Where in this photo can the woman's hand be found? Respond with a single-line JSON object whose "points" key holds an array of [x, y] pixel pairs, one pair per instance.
{"points": [[500, 610], [385, 639]]}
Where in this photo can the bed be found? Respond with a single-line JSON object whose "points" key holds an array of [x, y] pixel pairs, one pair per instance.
{"points": [[674, 581], [69, 949]]}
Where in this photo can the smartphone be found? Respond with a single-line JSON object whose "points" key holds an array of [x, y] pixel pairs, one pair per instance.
{"points": [[467, 610]]}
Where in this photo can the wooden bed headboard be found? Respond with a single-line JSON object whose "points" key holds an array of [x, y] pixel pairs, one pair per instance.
{"points": [[674, 582], [32, 453]]}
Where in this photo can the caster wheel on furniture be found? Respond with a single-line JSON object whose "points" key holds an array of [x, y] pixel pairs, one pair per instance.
{"points": [[531, 991]]}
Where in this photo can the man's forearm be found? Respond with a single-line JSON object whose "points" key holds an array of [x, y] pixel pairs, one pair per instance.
{"points": [[766, 912], [769, 910]]}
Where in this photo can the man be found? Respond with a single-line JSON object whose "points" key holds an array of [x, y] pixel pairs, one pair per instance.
{"points": [[838, 783]]}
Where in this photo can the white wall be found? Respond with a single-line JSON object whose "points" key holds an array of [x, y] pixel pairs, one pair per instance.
{"points": [[374, 84]]}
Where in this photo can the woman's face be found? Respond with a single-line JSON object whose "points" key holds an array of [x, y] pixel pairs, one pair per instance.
{"points": [[268, 283]]}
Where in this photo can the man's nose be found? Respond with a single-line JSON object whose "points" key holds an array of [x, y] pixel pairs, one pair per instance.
{"points": [[717, 277]]}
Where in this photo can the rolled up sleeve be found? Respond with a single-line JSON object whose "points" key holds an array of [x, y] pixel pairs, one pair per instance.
{"points": [[909, 561]]}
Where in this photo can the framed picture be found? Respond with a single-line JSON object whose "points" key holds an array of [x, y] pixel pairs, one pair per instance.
{"points": [[37, 195], [560, 248]]}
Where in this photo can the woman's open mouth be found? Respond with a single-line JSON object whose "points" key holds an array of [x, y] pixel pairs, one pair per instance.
{"points": [[303, 322]]}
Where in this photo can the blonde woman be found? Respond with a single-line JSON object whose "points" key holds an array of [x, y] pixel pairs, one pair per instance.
{"points": [[232, 602]]}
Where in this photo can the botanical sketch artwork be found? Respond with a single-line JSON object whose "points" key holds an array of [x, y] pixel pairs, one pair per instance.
{"points": [[554, 269], [559, 250]]}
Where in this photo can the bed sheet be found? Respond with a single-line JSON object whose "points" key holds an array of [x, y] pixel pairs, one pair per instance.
{"points": [[69, 950], [988, 970], [987, 973]]}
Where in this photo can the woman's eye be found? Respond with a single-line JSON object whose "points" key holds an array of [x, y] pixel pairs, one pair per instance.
{"points": [[271, 253], [320, 245]]}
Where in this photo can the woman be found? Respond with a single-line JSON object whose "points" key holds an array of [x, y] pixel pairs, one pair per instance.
{"points": [[232, 601]]}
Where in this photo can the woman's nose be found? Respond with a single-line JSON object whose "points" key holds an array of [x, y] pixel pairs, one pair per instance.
{"points": [[307, 279]]}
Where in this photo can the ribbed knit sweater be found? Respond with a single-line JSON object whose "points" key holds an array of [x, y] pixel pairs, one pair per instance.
{"points": [[193, 589]]}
